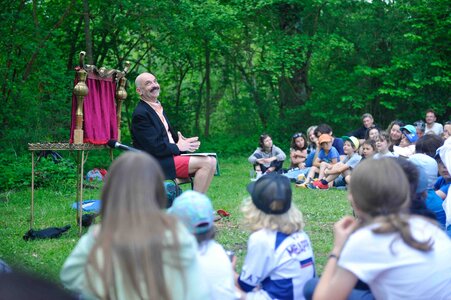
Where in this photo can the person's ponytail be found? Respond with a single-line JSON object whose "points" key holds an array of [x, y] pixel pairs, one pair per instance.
{"points": [[399, 223]]}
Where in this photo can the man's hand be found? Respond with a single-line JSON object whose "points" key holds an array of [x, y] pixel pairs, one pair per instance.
{"points": [[188, 144]]}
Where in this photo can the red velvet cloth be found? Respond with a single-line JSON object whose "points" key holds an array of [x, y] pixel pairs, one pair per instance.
{"points": [[99, 111]]}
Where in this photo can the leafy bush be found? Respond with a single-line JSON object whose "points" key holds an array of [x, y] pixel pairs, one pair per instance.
{"points": [[15, 172]]}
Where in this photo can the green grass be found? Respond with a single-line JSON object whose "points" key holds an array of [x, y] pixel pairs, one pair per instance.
{"points": [[52, 209]]}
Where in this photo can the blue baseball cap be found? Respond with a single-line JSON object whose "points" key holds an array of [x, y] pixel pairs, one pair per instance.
{"points": [[410, 132], [194, 210]]}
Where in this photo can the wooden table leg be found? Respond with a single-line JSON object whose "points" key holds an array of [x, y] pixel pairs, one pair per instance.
{"points": [[32, 191]]}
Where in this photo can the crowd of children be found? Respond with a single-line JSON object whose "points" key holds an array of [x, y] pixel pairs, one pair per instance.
{"points": [[332, 164]]}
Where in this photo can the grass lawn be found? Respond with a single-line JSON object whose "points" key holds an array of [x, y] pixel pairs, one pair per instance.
{"points": [[52, 209]]}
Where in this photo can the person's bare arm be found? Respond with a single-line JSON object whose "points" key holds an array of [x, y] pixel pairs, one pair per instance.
{"points": [[441, 194], [337, 168], [336, 282]]}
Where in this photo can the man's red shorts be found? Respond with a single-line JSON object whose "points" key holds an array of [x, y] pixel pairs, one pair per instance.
{"points": [[181, 166]]}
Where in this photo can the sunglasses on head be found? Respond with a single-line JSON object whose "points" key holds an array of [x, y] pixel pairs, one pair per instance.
{"points": [[296, 135]]}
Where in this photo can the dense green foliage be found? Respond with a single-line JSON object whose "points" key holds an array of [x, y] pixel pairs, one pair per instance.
{"points": [[52, 209], [229, 68]]}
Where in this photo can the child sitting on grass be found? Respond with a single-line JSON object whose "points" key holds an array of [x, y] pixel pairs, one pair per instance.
{"points": [[196, 212], [279, 256], [400, 256], [382, 145], [368, 149], [327, 156], [406, 147], [343, 168], [267, 157], [298, 157]]}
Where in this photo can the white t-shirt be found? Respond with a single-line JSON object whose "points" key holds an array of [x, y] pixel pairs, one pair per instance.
{"points": [[278, 263], [217, 270], [404, 151], [394, 270], [380, 155], [437, 128]]}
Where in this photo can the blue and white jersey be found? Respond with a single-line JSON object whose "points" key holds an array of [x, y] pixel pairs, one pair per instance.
{"points": [[278, 263]]}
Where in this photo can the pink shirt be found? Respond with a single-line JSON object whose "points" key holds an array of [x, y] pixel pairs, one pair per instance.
{"points": [[158, 108]]}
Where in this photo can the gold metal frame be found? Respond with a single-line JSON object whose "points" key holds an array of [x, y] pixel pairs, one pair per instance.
{"points": [[82, 150]]}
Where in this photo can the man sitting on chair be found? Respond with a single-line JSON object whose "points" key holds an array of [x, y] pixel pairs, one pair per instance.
{"points": [[152, 133]]}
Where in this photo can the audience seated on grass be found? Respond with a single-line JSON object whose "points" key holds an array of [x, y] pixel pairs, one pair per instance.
{"points": [[419, 127], [368, 149], [336, 142], [342, 168], [298, 157], [279, 257], [445, 155], [196, 212], [428, 144], [267, 157], [395, 134], [418, 182], [430, 169], [382, 146], [443, 182], [138, 251], [312, 149], [372, 134], [400, 256], [446, 130], [327, 156], [312, 139], [298, 151], [432, 127], [406, 147], [362, 132]]}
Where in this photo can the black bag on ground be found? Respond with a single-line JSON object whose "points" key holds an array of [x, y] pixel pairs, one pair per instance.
{"points": [[47, 233]]}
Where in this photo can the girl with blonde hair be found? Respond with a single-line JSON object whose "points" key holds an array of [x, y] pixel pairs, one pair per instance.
{"points": [[138, 251], [400, 256], [279, 257]]}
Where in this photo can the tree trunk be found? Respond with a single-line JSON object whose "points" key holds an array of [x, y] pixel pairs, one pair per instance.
{"points": [[207, 89]]}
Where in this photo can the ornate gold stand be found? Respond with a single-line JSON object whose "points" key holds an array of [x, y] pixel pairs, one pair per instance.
{"points": [[81, 90]]}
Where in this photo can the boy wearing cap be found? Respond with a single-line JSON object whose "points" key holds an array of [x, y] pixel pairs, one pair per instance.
{"points": [[196, 212], [327, 156], [344, 168], [406, 147], [279, 256]]}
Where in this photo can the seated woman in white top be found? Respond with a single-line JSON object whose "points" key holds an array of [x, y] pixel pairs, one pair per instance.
{"points": [[138, 251], [400, 256]]}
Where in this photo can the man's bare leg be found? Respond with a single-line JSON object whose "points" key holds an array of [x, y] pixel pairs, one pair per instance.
{"points": [[203, 168]]}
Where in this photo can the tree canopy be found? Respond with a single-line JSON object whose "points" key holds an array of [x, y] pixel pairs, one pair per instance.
{"points": [[229, 69]]}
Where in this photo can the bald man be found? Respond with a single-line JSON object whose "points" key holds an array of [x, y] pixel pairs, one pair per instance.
{"points": [[152, 133]]}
